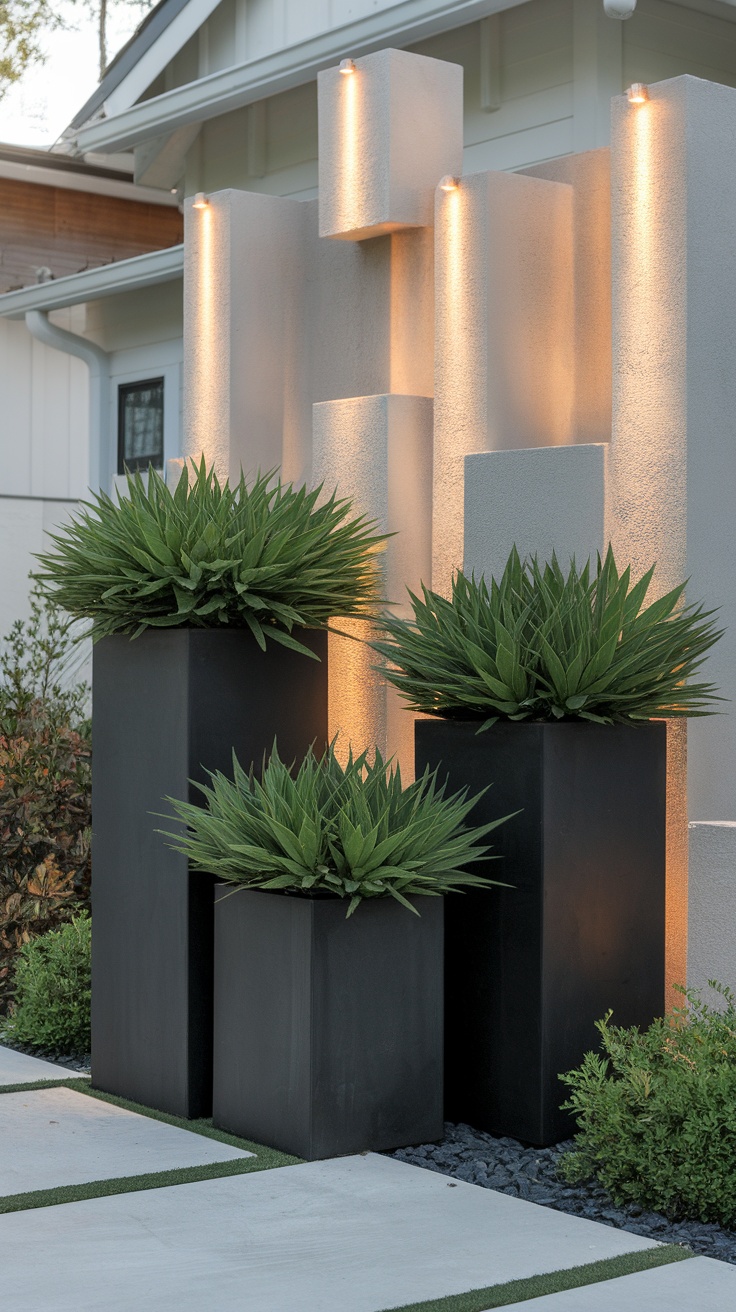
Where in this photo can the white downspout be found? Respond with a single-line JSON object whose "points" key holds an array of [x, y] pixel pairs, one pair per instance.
{"points": [[98, 363]]}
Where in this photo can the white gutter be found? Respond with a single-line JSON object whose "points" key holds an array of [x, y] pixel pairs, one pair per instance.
{"points": [[97, 362], [94, 284], [71, 180], [243, 84]]}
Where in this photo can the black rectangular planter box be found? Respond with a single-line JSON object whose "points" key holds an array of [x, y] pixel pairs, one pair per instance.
{"points": [[529, 969], [328, 1032], [167, 706]]}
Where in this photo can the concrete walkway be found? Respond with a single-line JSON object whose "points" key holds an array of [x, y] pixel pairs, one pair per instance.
{"points": [[355, 1234], [700, 1285]]}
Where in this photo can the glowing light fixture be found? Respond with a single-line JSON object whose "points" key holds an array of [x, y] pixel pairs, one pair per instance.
{"points": [[347, 67], [637, 93], [448, 183], [200, 201]]}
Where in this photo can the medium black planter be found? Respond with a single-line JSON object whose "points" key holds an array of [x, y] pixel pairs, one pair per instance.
{"points": [[167, 706], [328, 1032], [529, 969]]}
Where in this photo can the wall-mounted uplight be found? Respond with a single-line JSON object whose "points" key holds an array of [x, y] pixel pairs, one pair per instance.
{"points": [[637, 93], [200, 201], [347, 67], [448, 183]]}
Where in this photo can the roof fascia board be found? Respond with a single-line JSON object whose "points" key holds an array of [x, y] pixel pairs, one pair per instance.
{"points": [[155, 59], [242, 84], [93, 284], [68, 180]]}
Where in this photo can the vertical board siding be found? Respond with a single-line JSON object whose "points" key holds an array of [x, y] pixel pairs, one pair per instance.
{"points": [[44, 426]]}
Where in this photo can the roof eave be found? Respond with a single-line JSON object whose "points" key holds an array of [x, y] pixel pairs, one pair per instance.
{"points": [[139, 271], [242, 84]]}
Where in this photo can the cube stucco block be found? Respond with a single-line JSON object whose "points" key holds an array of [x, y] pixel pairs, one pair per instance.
{"points": [[504, 363], [712, 904], [276, 319], [543, 500], [387, 133]]}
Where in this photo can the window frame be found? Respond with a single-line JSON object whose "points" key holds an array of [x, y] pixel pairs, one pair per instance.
{"points": [[123, 389]]}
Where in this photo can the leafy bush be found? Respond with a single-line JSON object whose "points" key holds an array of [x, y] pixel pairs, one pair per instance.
{"points": [[45, 784], [657, 1112], [539, 645], [266, 556], [348, 831], [53, 990]]}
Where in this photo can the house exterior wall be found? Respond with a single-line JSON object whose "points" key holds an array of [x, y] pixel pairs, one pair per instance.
{"points": [[67, 231], [558, 63]]}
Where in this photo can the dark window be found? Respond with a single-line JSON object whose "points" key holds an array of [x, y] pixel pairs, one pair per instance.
{"points": [[141, 425]]}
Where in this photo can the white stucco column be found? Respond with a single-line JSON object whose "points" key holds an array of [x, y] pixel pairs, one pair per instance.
{"points": [[504, 373], [378, 451], [672, 483]]}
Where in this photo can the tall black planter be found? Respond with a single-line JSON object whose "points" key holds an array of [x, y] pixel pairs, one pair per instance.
{"points": [[529, 969], [328, 1032], [167, 706]]}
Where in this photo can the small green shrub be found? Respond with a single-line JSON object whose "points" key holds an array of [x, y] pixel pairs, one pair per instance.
{"points": [[656, 1112], [45, 784], [265, 556], [52, 989], [347, 831], [539, 645]]}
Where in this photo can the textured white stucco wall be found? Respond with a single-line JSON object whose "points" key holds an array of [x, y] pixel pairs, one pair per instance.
{"points": [[387, 133], [673, 451], [504, 375], [378, 450], [589, 175], [712, 911], [276, 319], [543, 500]]}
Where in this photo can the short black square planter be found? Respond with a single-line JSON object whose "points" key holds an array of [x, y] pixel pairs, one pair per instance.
{"points": [[529, 969], [167, 705], [328, 1032]]}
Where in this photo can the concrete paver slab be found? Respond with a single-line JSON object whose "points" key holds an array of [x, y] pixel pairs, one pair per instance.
{"points": [[53, 1137], [699, 1285], [17, 1068], [355, 1234]]}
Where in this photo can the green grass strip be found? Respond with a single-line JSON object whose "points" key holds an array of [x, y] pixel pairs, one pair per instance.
{"points": [[265, 1159], [556, 1282], [131, 1184]]}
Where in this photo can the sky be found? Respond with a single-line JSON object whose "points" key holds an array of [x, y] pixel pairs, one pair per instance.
{"points": [[36, 110]]}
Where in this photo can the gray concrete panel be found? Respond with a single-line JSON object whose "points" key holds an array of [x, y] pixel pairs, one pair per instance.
{"points": [[18, 1068], [355, 1234], [712, 904], [699, 1285], [544, 500], [54, 1137]]}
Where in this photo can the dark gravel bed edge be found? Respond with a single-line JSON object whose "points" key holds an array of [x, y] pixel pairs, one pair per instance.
{"points": [[531, 1174], [79, 1062]]}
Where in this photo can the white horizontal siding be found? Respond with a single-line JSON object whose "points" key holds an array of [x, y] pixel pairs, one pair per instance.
{"points": [[666, 40]]}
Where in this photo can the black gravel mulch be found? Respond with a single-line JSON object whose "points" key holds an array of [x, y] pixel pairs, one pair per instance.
{"points": [[79, 1062], [531, 1173]]}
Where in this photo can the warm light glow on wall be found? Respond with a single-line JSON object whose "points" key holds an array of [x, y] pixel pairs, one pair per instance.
{"points": [[646, 491], [457, 427], [208, 356], [351, 195], [356, 710]]}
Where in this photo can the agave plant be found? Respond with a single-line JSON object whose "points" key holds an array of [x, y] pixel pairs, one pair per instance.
{"points": [[541, 645], [266, 555], [350, 831]]}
